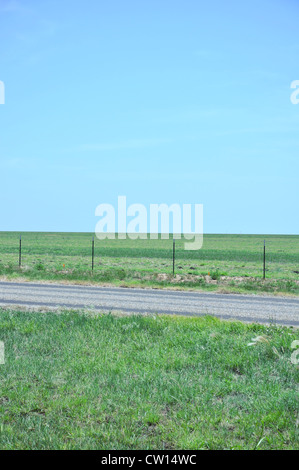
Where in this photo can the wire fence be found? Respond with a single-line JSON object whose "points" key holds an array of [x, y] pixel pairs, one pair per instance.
{"points": [[223, 255]]}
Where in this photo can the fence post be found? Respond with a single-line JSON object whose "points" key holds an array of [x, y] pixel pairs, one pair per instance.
{"points": [[264, 271], [20, 251], [92, 254], [173, 256]]}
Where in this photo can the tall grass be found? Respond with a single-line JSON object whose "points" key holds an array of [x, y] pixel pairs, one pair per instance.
{"points": [[89, 381]]}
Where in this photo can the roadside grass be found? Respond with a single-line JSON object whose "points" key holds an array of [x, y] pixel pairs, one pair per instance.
{"points": [[81, 380], [131, 278]]}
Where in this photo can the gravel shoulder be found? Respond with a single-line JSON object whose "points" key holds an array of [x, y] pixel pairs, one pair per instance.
{"points": [[248, 308]]}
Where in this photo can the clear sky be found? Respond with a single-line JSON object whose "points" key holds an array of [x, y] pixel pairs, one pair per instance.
{"points": [[163, 101]]}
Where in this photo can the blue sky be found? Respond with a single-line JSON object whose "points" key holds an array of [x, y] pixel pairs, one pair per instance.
{"points": [[161, 101]]}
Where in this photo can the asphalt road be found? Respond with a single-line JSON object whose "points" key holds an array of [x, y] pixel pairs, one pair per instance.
{"points": [[249, 308]]}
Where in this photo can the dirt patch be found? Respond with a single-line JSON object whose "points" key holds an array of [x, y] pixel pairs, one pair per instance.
{"points": [[162, 277]]}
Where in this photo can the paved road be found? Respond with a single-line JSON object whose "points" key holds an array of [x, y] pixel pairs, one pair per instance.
{"points": [[262, 309]]}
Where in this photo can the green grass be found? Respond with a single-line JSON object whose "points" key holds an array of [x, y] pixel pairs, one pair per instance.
{"points": [[233, 263], [89, 381]]}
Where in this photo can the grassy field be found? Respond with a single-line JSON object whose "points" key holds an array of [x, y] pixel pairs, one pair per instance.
{"points": [[232, 263], [86, 381]]}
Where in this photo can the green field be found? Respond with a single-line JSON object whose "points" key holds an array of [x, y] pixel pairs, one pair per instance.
{"points": [[225, 262], [80, 380]]}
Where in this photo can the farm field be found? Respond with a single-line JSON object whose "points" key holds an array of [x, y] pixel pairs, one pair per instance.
{"points": [[80, 380], [227, 263]]}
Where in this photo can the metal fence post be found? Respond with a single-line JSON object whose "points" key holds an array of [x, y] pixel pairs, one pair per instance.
{"points": [[264, 272], [92, 254], [173, 255], [20, 251]]}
